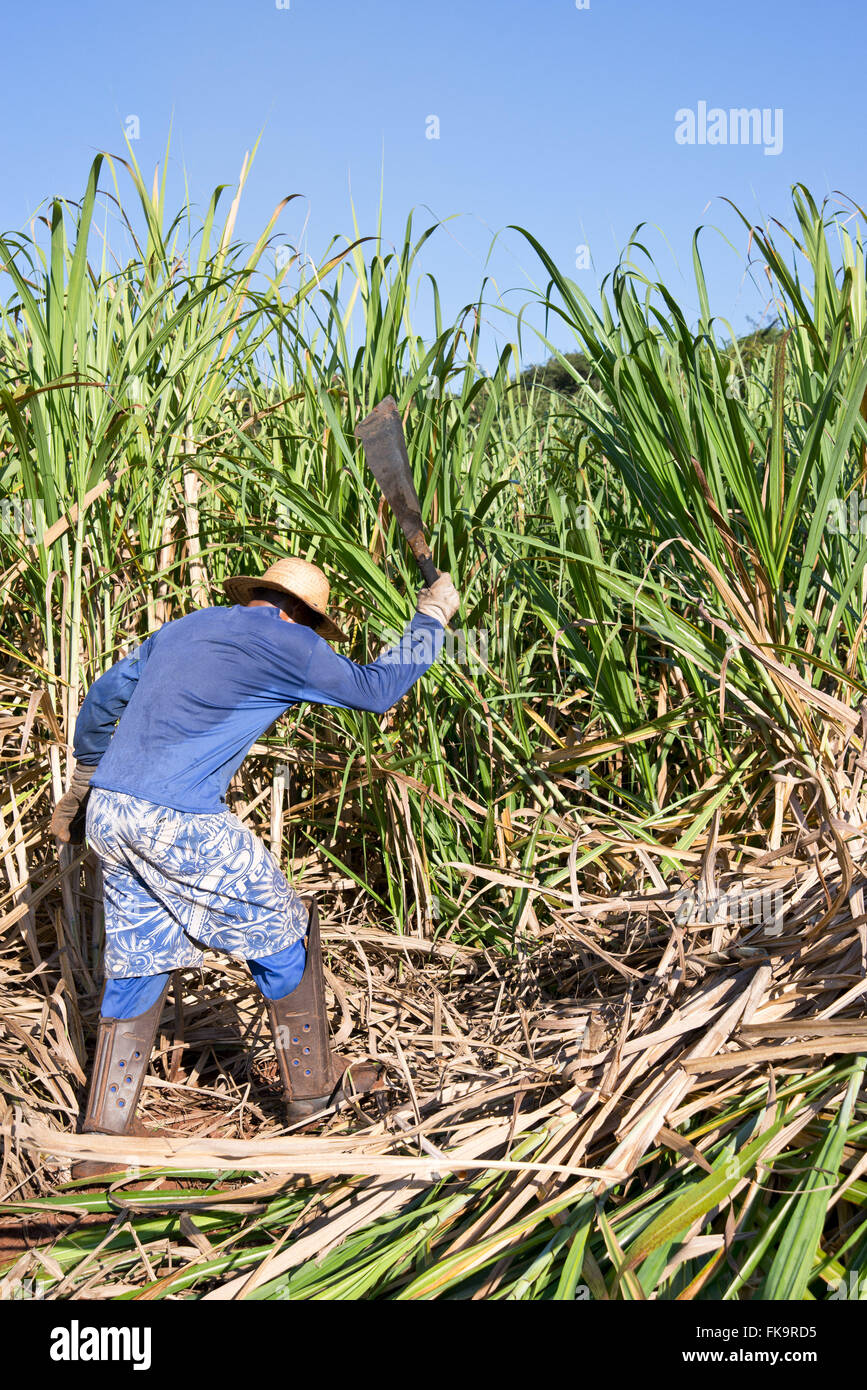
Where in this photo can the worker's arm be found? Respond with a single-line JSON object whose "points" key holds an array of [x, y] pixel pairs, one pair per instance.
{"points": [[335, 680], [104, 703]]}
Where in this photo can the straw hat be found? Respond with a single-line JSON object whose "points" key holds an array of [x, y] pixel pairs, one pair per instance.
{"points": [[291, 576]]}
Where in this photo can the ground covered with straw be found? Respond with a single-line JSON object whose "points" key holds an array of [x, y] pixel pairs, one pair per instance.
{"points": [[593, 894]]}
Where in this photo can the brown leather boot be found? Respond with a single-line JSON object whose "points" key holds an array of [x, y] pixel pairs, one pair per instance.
{"points": [[313, 1076], [123, 1049]]}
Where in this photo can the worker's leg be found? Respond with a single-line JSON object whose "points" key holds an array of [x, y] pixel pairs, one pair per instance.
{"points": [[133, 996], [280, 973], [311, 1073], [139, 937], [145, 931], [124, 1043], [299, 1024]]}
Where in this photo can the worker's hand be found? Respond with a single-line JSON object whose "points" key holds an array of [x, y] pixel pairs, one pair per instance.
{"points": [[67, 823], [440, 600]]}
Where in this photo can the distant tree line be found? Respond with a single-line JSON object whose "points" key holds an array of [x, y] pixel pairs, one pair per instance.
{"points": [[554, 376]]}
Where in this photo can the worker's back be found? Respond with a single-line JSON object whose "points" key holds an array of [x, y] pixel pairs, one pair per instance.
{"points": [[205, 688], [198, 693]]}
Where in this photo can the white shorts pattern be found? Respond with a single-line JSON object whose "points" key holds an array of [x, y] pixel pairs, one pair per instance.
{"points": [[177, 882]]}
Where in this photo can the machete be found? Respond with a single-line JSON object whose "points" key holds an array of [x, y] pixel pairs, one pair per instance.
{"points": [[381, 433]]}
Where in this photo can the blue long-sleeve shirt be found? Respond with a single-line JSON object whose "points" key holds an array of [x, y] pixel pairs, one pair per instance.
{"points": [[197, 694]]}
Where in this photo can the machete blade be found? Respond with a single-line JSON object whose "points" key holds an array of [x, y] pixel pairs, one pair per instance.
{"points": [[381, 433]]}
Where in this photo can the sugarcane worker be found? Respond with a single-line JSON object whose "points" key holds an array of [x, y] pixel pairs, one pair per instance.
{"points": [[157, 741]]}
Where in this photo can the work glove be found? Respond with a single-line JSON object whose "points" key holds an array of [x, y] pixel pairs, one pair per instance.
{"points": [[440, 600], [67, 823]]}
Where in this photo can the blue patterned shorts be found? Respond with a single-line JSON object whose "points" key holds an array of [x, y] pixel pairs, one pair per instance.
{"points": [[176, 883]]}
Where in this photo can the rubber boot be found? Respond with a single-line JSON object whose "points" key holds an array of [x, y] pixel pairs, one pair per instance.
{"points": [[314, 1078], [123, 1049]]}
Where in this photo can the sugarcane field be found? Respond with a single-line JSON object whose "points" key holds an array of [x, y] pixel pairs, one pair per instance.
{"points": [[433, 705]]}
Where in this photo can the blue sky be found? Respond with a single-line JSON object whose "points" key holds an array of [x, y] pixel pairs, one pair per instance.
{"points": [[556, 118]]}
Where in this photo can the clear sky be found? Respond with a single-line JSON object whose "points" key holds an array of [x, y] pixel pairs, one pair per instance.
{"points": [[558, 118]]}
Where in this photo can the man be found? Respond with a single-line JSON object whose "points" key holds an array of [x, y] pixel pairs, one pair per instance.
{"points": [[180, 871]]}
